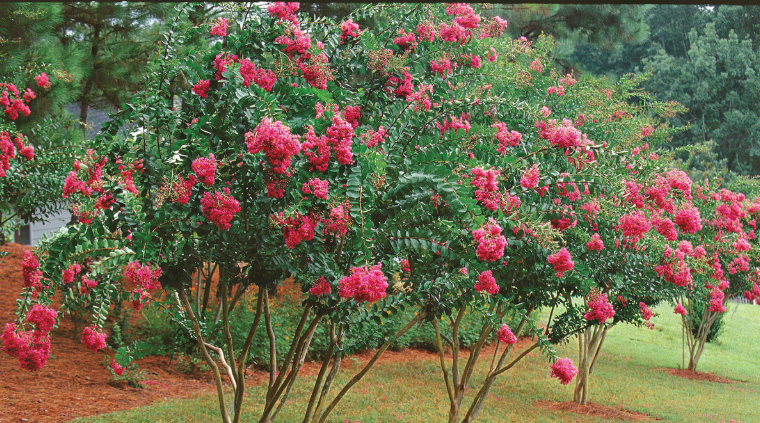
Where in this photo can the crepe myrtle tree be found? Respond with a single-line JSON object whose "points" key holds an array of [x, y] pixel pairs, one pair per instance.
{"points": [[339, 155], [713, 259], [31, 163]]}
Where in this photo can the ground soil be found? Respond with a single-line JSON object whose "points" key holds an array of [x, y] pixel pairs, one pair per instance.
{"points": [[703, 376], [597, 410], [76, 383]]}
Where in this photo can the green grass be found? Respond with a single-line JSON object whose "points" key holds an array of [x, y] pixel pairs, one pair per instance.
{"points": [[627, 375]]}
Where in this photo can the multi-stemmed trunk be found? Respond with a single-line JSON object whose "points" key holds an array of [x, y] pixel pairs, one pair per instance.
{"points": [[589, 344], [457, 380], [696, 342], [282, 377]]}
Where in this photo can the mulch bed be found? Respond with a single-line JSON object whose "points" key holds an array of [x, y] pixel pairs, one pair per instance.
{"points": [[597, 410], [702, 376]]}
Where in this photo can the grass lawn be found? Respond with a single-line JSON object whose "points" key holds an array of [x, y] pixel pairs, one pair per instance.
{"points": [[628, 374]]}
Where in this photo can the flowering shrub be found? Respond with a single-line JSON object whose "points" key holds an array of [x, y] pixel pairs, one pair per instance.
{"points": [[342, 161]]}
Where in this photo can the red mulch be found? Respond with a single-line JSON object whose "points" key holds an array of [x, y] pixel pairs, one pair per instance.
{"points": [[597, 410], [74, 382], [703, 376]]}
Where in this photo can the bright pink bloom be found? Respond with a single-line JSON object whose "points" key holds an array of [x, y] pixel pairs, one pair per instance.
{"points": [[599, 308], [93, 339], [634, 225], [506, 137], [220, 28], [487, 283], [559, 90], [283, 10], [364, 284], [371, 138], [43, 319], [564, 370], [205, 169], [405, 40], [348, 29], [143, 276], [491, 242], [679, 310], [317, 72], [13, 342], [263, 78], [43, 81], [530, 177], [339, 220], [405, 266], [276, 141], [646, 313], [219, 208], [296, 228], [568, 80], [116, 367], [317, 186], [536, 66], [595, 243], [29, 272], [561, 262], [688, 220], [35, 353], [492, 55], [321, 287], [504, 334], [67, 276], [201, 88]]}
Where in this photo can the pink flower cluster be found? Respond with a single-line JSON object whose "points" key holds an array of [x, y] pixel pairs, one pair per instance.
{"points": [[13, 102], [634, 225], [284, 10], [595, 243], [42, 80], [442, 66], [529, 178], [67, 276], [348, 30], [117, 368], [276, 141], [564, 370], [220, 28], [462, 122], [182, 189], [504, 334], [688, 219], [32, 348], [599, 308], [536, 66], [263, 78], [317, 186], [143, 276], [561, 262], [405, 40], [487, 283], [93, 339], [7, 151], [205, 169], [646, 314], [317, 72], [339, 220], [506, 137], [487, 190], [220, 64], [296, 228], [491, 242], [202, 87], [371, 138], [29, 270], [679, 309], [220, 207], [364, 284], [321, 287]]}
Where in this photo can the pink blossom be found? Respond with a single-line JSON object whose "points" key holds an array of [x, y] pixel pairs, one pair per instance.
{"points": [[205, 169], [348, 29], [559, 90], [276, 141], [487, 283], [321, 287], [93, 339], [595, 243], [536, 66], [143, 276], [219, 208], [405, 40], [117, 368], [564, 370], [29, 272], [561, 262], [506, 137], [634, 225], [371, 138], [545, 112], [504, 334], [43, 81], [646, 313], [491, 242], [202, 87], [492, 54], [568, 80], [646, 131], [530, 177], [317, 186], [67, 276], [263, 78], [284, 10], [688, 220], [316, 70], [339, 220], [600, 308], [464, 271], [43, 319], [220, 28], [679, 310], [364, 284], [296, 228]]}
